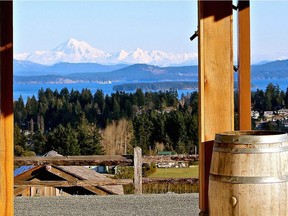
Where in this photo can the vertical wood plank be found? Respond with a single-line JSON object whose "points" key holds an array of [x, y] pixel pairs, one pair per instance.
{"points": [[138, 170], [6, 109], [244, 79], [216, 84]]}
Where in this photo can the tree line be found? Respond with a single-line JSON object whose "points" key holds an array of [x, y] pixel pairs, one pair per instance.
{"points": [[81, 123], [272, 99]]}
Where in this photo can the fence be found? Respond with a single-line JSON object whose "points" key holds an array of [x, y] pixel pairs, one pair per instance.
{"points": [[135, 160]]}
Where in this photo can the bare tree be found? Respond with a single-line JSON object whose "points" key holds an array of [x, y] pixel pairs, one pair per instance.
{"points": [[117, 136]]}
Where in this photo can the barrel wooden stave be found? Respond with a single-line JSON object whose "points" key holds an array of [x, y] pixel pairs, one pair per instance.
{"points": [[265, 164], [256, 179], [252, 199]]}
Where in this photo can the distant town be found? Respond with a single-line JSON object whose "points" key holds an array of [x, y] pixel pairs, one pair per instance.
{"points": [[277, 120]]}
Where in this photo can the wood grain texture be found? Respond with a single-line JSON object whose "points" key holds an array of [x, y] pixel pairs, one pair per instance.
{"points": [[83, 160], [244, 62], [258, 181], [73, 180], [6, 109], [88, 160], [215, 82], [138, 170], [79, 183]]}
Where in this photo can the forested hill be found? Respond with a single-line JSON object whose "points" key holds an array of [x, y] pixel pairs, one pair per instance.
{"points": [[27, 68], [79, 122], [271, 70], [132, 73], [28, 72], [156, 86], [74, 122]]}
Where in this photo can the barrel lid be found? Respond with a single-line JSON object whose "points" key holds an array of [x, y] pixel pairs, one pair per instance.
{"points": [[251, 137]]}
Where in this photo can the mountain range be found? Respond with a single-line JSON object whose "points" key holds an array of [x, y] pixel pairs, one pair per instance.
{"points": [[27, 68], [28, 72], [68, 72], [272, 70], [74, 51], [77, 61]]}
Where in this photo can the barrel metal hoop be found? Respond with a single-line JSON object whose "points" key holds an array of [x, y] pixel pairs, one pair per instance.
{"points": [[250, 150], [248, 180], [251, 137]]}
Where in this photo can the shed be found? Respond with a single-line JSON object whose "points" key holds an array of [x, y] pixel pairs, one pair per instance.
{"points": [[46, 180]]}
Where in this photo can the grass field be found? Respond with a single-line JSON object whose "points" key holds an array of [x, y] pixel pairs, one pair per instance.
{"points": [[191, 172], [156, 188]]}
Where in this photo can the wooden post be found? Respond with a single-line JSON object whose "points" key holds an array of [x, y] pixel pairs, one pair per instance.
{"points": [[138, 170], [216, 84], [244, 79], [6, 109]]}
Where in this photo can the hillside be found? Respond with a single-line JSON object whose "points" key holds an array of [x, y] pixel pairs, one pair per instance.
{"points": [[28, 72], [272, 70], [156, 86], [27, 68], [137, 72]]}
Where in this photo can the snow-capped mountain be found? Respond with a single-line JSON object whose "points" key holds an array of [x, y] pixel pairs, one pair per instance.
{"points": [[75, 51], [72, 51], [156, 57]]}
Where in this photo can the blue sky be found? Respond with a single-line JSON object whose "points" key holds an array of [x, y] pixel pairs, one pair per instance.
{"points": [[151, 25]]}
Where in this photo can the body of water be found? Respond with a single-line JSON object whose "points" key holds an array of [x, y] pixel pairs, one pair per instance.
{"points": [[262, 84], [28, 90]]}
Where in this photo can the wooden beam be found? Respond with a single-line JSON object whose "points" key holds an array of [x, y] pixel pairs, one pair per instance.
{"points": [[244, 79], [73, 180], [172, 181], [18, 190], [6, 108], [62, 174], [97, 190], [99, 160], [169, 158], [138, 170], [75, 160], [31, 173], [80, 183], [216, 84]]}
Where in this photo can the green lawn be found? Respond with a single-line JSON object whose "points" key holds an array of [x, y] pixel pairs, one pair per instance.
{"points": [[191, 172]]}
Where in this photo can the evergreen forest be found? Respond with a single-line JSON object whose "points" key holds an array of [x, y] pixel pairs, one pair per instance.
{"points": [[82, 123]]}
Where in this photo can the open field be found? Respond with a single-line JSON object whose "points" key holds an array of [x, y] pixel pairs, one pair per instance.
{"points": [[190, 172]]}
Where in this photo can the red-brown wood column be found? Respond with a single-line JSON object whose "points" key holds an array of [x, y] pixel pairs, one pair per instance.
{"points": [[6, 109], [244, 80], [216, 85]]}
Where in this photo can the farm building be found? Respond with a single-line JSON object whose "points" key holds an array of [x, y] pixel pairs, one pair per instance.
{"points": [[62, 181], [44, 180]]}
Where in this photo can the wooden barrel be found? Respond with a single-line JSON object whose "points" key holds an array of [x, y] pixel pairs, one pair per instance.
{"points": [[249, 174]]}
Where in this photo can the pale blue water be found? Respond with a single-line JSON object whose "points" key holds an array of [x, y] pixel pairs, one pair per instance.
{"points": [[28, 90], [262, 84]]}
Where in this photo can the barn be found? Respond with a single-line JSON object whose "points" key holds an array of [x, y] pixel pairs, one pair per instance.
{"points": [[46, 180]]}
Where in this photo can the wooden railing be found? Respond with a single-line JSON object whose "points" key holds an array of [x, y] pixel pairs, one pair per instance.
{"points": [[135, 160], [87, 160]]}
